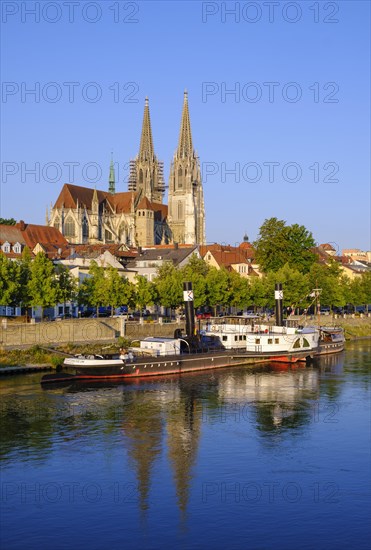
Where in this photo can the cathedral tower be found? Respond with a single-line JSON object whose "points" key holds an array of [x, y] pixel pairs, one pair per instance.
{"points": [[146, 172], [186, 199]]}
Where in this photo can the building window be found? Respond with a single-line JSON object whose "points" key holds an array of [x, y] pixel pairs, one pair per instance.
{"points": [[69, 228], [6, 247], [108, 236], [56, 223], [180, 178], [180, 210], [17, 248], [85, 229], [140, 176]]}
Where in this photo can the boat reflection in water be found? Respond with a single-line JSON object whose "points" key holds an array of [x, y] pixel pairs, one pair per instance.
{"points": [[166, 418]]}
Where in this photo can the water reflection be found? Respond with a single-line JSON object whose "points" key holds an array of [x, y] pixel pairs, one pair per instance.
{"points": [[162, 418]]}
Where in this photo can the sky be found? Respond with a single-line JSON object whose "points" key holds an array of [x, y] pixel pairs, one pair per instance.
{"points": [[279, 98]]}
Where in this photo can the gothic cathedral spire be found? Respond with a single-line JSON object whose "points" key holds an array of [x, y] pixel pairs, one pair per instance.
{"points": [[186, 199], [111, 179], [146, 171], [185, 147]]}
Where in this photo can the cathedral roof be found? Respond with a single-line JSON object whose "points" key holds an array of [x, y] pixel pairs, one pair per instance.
{"points": [[70, 194], [122, 201]]}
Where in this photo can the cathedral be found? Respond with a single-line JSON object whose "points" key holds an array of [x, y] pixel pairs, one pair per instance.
{"points": [[138, 216]]}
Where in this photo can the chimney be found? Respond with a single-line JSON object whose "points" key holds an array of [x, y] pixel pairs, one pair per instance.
{"points": [[21, 225], [278, 295], [189, 309]]}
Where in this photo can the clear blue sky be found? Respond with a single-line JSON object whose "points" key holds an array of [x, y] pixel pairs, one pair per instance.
{"points": [[157, 49]]}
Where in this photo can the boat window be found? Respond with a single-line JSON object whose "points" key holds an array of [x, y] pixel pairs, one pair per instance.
{"points": [[235, 338], [240, 336], [270, 340], [305, 343], [244, 336], [297, 343], [225, 338], [276, 340], [257, 340]]}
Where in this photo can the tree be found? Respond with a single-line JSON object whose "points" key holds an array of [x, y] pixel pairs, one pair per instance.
{"points": [[93, 290], [10, 282], [145, 292], [270, 245], [295, 286], [42, 285], [299, 244], [196, 272], [168, 285], [67, 286], [240, 290], [7, 221], [116, 288], [278, 244], [327, 277], [218, 287]]}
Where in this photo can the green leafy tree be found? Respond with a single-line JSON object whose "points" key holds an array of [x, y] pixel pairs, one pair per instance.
{"points": [[270, 246], [278, 244], [299, 244], [366, 285], [260, 292], [7, 221], [145, 292], [295, 286], [117, 288], [328, 278], [196, 272], [168, 285], [240, 290], [10, 282], [67, 286], [93, 290], [218, 287], [42, 285]]}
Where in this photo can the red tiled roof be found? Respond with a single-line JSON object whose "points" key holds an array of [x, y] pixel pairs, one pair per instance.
{"points": [[327, 246], [244, 252], [44, 235], [11, 234], [121, 201]]}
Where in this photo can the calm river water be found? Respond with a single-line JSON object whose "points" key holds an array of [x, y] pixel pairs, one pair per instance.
{"points": [[235, 459]]}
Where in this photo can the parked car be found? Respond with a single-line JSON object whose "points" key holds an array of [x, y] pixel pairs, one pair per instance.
{"points": [[203, 315]]}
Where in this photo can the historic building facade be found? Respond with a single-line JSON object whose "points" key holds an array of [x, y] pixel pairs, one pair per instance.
{"points": [[138, 216]]}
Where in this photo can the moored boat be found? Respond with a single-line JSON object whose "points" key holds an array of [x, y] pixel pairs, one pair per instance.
{"points": [[331, 340], [221, 345]]}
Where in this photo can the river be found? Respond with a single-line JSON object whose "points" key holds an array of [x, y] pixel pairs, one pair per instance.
{"points": [[237, 459]]}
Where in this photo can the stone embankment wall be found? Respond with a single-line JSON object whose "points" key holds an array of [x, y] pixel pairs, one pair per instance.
{"points": [[79, 331]]}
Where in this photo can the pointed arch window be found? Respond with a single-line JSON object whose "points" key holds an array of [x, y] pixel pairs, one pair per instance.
{"points": [[85, 229], [56, 223], [69, 228], [140, 176], [180, 211], [180, 177]]}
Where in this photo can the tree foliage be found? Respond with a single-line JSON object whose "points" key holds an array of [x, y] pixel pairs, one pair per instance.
{"points": [[42, 285], [278, 244]]}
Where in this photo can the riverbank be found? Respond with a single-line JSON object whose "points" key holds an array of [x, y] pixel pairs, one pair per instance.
{"points": [[53, 356]]}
